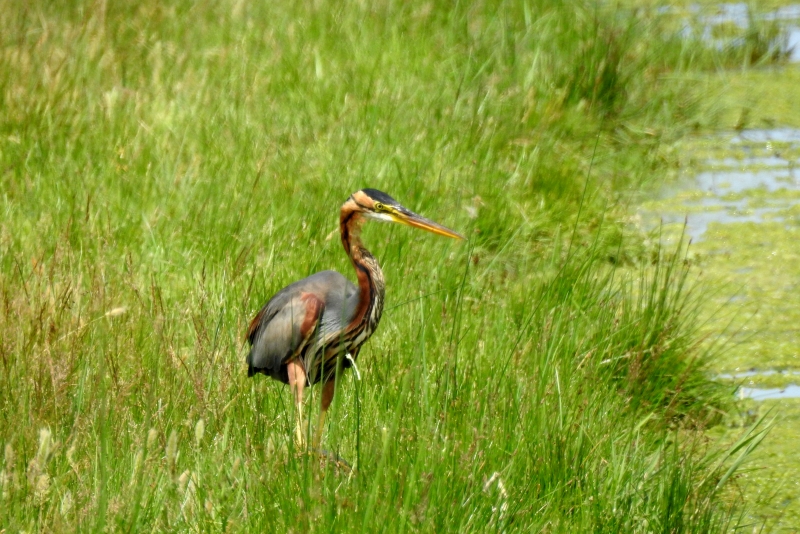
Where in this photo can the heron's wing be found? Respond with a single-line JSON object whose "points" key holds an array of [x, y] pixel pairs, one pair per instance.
{"points": [[277, 340], [293, 315]]}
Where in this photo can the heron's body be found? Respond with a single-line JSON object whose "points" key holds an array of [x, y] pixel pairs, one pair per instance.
{"points": [[302, 334], [330, 306]]}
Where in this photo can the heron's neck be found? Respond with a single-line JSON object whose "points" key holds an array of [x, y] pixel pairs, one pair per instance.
{"points": [[370, 277]]}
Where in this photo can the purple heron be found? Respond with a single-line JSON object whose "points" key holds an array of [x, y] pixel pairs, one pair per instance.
{"points": [[313, 328]]}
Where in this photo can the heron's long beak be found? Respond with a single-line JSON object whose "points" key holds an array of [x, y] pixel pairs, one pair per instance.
{"points": [[409, 218]]}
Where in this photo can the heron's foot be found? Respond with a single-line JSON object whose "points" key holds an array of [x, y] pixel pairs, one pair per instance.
{"points": [[332, 458]]}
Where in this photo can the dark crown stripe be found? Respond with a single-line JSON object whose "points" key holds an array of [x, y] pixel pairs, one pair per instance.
{"points": [[380, 196]]}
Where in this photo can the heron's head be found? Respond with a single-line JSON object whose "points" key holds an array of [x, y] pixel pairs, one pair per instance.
{"points": [[377, 205]]}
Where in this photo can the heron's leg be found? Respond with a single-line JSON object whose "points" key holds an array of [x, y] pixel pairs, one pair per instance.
{"points": [[327, 397], [297, 382]]}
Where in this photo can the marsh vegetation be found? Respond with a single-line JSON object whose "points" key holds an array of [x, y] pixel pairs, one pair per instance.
{"points": [[165, 167]]}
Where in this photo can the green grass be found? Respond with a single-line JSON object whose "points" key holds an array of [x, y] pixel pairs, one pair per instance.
{"points": [[165, 167]]}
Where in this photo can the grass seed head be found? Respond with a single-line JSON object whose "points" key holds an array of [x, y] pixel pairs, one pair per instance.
{"points": [[152, 435], [172, 450], [199, 431]]}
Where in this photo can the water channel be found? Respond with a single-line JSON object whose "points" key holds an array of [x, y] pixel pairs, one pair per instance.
{"points": [[740, 205], [737, 197]]}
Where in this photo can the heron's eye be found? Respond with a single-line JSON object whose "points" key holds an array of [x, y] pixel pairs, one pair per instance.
{"points": [[379, 206]]}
